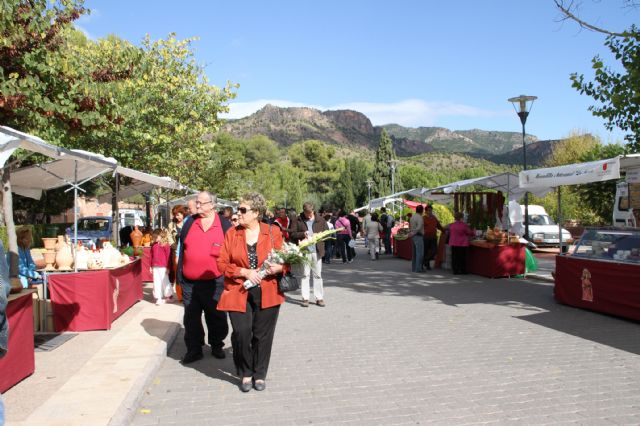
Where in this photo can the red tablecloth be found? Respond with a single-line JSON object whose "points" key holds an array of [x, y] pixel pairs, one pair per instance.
{"points": [[403, 248], [615, 287], [491, 260], [92, 300], [146, 264], [19, 362]]}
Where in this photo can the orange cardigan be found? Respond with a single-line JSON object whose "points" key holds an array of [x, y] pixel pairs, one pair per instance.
{"points": [[234, 256]]}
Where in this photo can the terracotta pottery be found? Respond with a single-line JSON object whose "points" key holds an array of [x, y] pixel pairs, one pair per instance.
{"points": [[136, 237], [64, 257], [49, 259], [49, 243]]}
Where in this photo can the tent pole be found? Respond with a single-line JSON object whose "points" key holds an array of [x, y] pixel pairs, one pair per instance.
{"points": [[560, 220], [116, 209], [75, 215]]}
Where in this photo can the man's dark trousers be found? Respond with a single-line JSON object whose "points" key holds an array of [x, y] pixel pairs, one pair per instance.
{"points": [[197, 297]]}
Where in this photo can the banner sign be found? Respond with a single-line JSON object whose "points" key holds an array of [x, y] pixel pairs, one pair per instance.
{"points": [[571, 174], [633, 175]]}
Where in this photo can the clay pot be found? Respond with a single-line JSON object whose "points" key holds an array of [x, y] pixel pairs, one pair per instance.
{"points": [[49, 259], [136, 237], [82, 258], [49, 243], [64, 257]]}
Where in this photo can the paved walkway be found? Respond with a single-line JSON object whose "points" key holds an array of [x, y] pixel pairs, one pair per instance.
{"points": [[391, 347]]}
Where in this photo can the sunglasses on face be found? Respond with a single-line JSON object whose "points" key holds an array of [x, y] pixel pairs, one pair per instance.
{"points": [[243, 210], [234, 219]]}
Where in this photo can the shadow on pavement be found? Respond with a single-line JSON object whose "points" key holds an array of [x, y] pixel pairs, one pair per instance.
{"points": [[385, 277]]}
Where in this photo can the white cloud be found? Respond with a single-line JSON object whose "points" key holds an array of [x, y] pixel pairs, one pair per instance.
{"points": [[409, 112], [86, 19]]}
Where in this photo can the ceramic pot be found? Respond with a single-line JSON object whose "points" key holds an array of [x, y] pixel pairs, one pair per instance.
{"points": [[82, 258], [64, 257], [49, 259], [136, 237], [49, 243]]}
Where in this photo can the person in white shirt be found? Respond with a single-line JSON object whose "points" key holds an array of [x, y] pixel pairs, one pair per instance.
{"points": [[372, 233]]}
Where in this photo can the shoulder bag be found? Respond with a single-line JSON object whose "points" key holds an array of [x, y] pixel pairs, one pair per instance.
{"points": [[287, 281]]}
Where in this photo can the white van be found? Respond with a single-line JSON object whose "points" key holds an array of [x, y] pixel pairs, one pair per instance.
{"points": [[132, 217], [623, 212], [543, 231]]}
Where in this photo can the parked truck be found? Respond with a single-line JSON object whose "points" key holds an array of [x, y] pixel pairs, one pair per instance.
{"points": [[93, 230]]}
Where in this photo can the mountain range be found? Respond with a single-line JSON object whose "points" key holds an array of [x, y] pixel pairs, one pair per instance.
{"points": [[354, 130]]}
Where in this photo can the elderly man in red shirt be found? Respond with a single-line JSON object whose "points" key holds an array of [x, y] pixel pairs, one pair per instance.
{"points": [[431, 226], [201, 240]]}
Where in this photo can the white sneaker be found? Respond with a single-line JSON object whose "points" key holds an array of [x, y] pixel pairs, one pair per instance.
{"points": [[159, 302]]}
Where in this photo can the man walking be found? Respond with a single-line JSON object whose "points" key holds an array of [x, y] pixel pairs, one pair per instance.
{"points": [[283, 221], [431, 226], [386, 221], [416, 231], [201, 241], [307, 224]]}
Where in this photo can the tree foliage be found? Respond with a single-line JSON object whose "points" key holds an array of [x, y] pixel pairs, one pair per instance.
{"points": [[617, 93], [382, 168]]}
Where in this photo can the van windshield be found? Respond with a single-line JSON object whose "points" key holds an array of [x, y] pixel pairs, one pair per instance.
{"points": [[93, 224], [540, 219]]}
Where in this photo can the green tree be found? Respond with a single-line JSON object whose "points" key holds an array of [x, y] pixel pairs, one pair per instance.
{"points": [[382, 170], [344, 193], [317, 160], [617, 93], [571, 149]]}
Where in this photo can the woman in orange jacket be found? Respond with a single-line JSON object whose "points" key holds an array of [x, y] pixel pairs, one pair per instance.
{"points": [[253, 311]]}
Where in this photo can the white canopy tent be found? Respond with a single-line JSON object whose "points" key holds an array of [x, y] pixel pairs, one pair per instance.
{"points": [[577, 173]]}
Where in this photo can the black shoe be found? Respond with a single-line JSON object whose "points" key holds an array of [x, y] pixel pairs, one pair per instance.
{"points": [[190, 357], [218, 353], [259, 385], [245, 386]]}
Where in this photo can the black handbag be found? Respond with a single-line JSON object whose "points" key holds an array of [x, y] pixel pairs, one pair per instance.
{"points": [[287, 281]]}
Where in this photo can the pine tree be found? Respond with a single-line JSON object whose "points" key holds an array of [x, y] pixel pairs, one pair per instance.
{"points": [[382, 170]]}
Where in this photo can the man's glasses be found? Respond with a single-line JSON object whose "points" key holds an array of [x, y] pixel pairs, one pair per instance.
{"points": [[243, 210], [202, 203]]}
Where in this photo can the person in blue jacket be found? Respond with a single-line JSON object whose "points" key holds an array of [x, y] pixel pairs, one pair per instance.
{"points": [[5, 288], [26, 266]]}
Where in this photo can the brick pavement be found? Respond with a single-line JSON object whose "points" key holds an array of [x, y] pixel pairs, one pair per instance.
{"points": [[393, 347]]}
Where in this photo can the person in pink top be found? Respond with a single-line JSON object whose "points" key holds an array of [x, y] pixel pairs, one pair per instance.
{"points": [[344, 236], [459, 234], [160, 256]]}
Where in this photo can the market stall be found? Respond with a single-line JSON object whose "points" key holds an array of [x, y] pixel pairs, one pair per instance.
{"points": [[495, 260], [92, 300], [601, 273], [19, 362], [146, 274]]}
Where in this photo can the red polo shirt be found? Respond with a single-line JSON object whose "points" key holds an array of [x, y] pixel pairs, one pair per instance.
{"points": [[201, 251]]}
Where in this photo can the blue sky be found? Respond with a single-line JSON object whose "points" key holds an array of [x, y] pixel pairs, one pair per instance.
{"points": [[451, 64]]}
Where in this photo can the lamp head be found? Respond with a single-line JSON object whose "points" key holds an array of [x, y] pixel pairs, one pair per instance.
{"points": [[522, 104]]}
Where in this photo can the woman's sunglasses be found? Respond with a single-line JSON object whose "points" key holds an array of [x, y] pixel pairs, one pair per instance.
{"points": [[243, 210], [234, 219]]}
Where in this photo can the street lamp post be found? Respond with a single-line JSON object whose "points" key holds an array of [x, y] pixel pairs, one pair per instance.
{"points": [[522, 104], [369, 183], [392, 164]]}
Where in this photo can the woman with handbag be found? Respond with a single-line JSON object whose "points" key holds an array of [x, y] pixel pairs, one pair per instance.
{"points": [[253, 312]]}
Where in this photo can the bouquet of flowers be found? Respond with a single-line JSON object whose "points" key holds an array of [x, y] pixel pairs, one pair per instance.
{"points": [[291, 254]]}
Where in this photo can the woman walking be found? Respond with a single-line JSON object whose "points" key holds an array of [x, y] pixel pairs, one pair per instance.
{"points": [[254, 311], [372, 231], [459, 234], [344, 236]]}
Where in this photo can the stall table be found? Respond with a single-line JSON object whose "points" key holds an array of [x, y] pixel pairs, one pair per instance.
{"points": [[495, 260], [146, 264], [613, 290], [403, 248], [92, 300], [19, 361]]}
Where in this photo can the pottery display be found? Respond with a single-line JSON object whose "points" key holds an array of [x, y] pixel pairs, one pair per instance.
{"points": [[49, 243], [136, 237], [49, 259], [64, 257], [82, 258]]}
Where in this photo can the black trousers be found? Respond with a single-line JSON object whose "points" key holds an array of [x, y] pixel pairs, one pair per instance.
{"points": [[430, 249], [343, 247], [252, 336], [198, 298], [459, 259]]}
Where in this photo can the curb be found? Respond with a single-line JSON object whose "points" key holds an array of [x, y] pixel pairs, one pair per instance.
{"points": [[126, 411]]}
